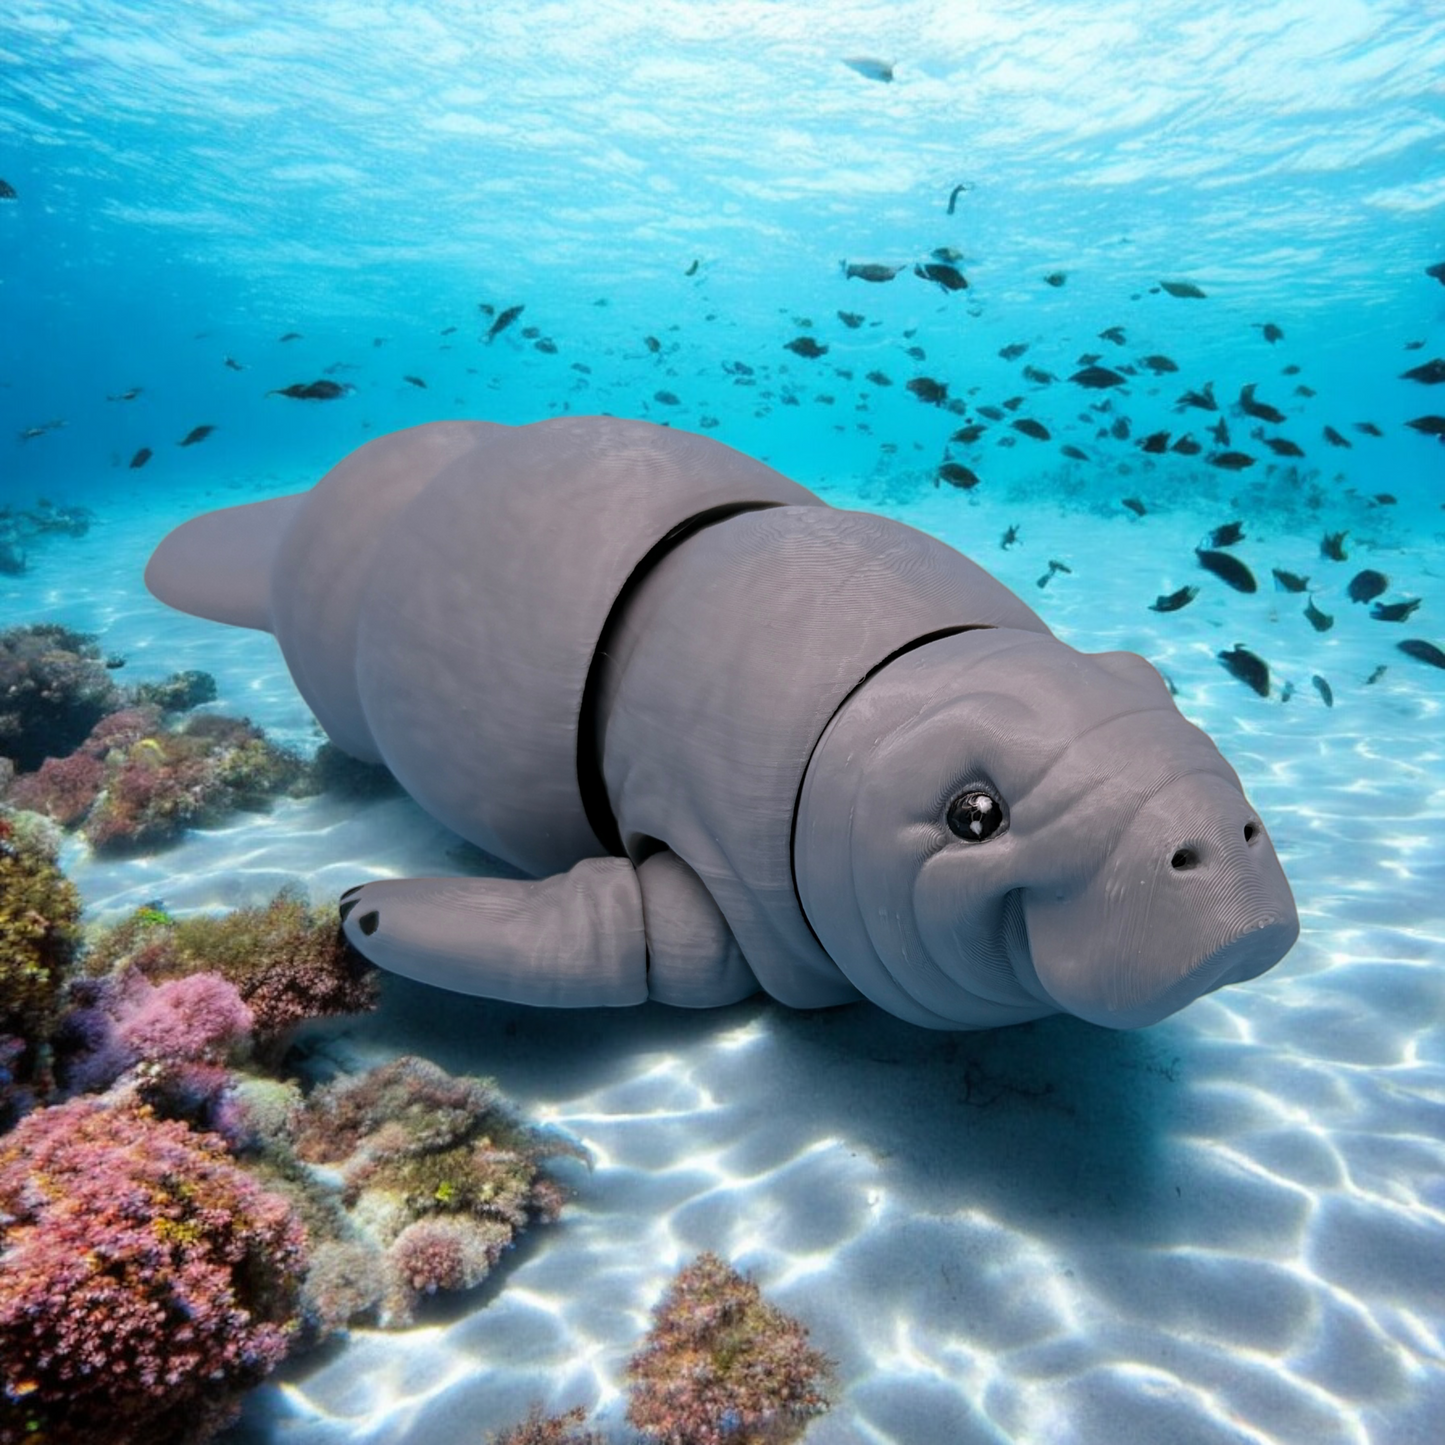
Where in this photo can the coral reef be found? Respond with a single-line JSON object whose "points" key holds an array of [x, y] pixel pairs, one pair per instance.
{"points": [[54, 688], [179, 692], [145, 1279], [540, 1429], [721, 1366]]}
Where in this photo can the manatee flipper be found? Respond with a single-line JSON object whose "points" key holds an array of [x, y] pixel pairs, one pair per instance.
{"points": [[693, 960], [573, 940]]}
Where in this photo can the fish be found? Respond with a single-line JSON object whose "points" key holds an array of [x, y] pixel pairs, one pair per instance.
{"points": [[1175, 600], [1261, 409], [448, 331], [1227, 534], [1320, 621], [1009, 538], [1283, 447], [1114, 334], [582, 367], [942, 274], [968, 434], [1056, 278], [1230, 570], [1074, 453], [1334, 438], [868, 271], [958, 190], [1430, 426], [667, 398], [1013, 350], [1230, 461], [652, 344], [1203, 399], [1220, 432], [415, 381], [851, 319], [1332, 545], [546, 346], [692, 270], [1250, 669], [1323, 688], [1031, 428], [504, 320], [1394, 611], [1186, 446], [925, 388], [1135, 505], [1120, 429], [993, 413], [957, 475], [292, 336], [1369, 429], [1384, 499], [1437, 271], [946, 253], [1049, 575], [1422, 651], [917, 353], [1159, 364], [1304, 391], [233, 365], [1289, 581], [1270, 331], [1039, 376], [1183, 289], [7, 191], [140, 458], [805, 346], [196, 434], [1367, 585], [1428, 373], [1097, 377], [487, 309], [870, 69], [310, 390], [879, 378], [130, 395]]}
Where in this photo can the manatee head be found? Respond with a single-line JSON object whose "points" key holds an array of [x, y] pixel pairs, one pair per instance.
{"points": [[995, 827]]}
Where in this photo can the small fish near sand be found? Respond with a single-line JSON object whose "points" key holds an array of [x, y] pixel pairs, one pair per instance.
{"points": [[1335, 439], [1248, 667], [1227, 534], [504, 320], [1155, 443], [868, 271], [1031, 428], [1185, 290], [1320, 621], [1289, 581], [1367, 585], [805, 346], [1283, 447], [1250, 407], [1394, 611], [1056, 278], [1270, 331], [1097, 378], [1326, 693], [196, 434], [1332, 546], [851, 319], [926, 389], [957, 475], [140, 459], [1175, 600], [415, 381], [1054, 569], [1203, 399], [1159, 365], [311, 390], [1230, 461], [1186, 446], [870, 69], [1422, 651], [1134, 505], [950, 278], [1229, 569]]}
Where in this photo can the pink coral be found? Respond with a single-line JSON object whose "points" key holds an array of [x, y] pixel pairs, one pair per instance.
{"points": [[64, 789], [186, 1019], [144, 1278]]}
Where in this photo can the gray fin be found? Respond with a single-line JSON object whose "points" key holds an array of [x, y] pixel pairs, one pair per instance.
{"points": [[218, 565], [574, 940]]}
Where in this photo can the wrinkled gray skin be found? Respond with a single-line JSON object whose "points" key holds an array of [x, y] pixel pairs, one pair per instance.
{"points": [[721, 724]]}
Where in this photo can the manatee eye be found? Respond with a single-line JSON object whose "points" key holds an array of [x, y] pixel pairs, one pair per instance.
{"points": [[975, 815]]}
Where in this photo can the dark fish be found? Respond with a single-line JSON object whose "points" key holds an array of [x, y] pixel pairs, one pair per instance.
{"points": [[582, 367], [667, 398], [1289, 581], [878, 378], [1334, 438], [652, 344], [1283, 447], [1203, 399], [1437, 271], [851, 319], [1186, 446], [993, 413], [1332, 545], [1430, 426], [448, 330], [1175, 600], [130, 395], [504, 320], [1053, 568], [1227, 535], [1320, 621], [1183, 289], [233, 365], [1304, 391], [292, 336], [1290, 370], [925, 388], [1135, 506], [487, 309], [415, 381], [805, 346], [968, 434], [1114, 334], [7, 191], [957, 475], [1159, 364], [546, 346], [1394, 611], [868, 271], [309, 390], [917, 353], [1220, 432], [1376, 675], [1013, 350], [942, 274], [1250, 407], [955, 194], [1120, 429], [946, 253], [1250, 669], [1039, 376], [140, 458], [1385, 499], [1009, 538], [1097, 377], [1031, 428], [1056, 278], [1422, 651], [1324, 690], [1075, 453], [1271, 332], [1369, 429], [1429, 373], [196, 434], [1230, 461], [692, 270], [1155, 442], [1367, 585], [871, 69], [1230, 570]]}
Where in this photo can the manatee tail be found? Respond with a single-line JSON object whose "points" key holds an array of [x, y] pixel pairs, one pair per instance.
{"points": [[218, 565]]}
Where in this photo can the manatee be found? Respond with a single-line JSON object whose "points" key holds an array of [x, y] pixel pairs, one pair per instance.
{"points": [[736, 739]]}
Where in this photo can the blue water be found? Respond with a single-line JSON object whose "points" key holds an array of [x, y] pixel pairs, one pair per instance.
{"points": [[196, 180]]}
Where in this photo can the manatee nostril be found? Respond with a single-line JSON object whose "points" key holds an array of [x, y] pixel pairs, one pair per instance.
{"points": [[369, 922], [1251, 831], [1184, 858]]}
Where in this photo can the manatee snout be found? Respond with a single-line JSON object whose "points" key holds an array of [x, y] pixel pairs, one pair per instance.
{"points": [[1191, 898]]}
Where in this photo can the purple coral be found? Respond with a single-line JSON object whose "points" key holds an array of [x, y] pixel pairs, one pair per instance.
{"points": [[721, 1366], [145, 1279], [195, 1019]]}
